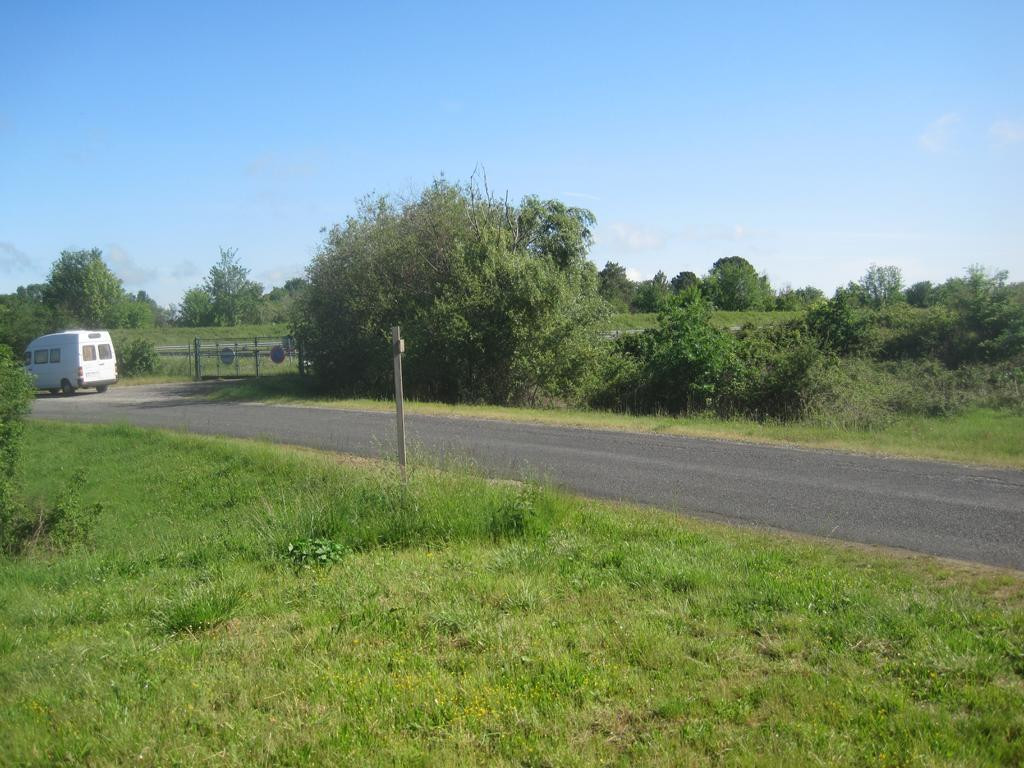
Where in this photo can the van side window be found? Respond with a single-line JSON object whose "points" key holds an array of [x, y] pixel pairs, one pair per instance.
{"points": [[54, 355], [88, 352], [105, 353], [41, 356]]}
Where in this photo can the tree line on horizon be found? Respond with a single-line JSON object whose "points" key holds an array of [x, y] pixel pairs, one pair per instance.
{"points": [[731, 284], [500, 303], [82, 291]]}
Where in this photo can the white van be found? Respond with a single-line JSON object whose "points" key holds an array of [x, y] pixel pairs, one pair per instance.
{"points": [[69, 360]]}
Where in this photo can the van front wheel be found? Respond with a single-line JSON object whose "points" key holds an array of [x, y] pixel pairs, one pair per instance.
{"points": [[101, 388], [66, 388]]}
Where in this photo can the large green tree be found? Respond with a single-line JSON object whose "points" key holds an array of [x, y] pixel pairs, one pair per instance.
{"points": [[496, 301], [684, 281], [234, 298], [733, 284], [615, 286], [82, 290], [652, 295], [881, 286], [279, 302], [196, 308], [24, 315]]}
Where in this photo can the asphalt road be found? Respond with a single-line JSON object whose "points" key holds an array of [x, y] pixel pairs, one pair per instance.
{"points": [[930, 507]]}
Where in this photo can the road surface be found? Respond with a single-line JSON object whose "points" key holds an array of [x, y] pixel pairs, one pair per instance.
{"points": [[930, 507]]}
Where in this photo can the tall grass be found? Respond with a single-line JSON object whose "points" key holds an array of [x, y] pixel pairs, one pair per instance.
{"points": [[470, 622]]}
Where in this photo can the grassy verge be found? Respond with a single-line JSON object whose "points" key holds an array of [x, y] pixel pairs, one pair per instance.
{"points": [[978, 436], [465, 622]]}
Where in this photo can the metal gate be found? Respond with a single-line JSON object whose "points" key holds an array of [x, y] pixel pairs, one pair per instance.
{"points": [[235, 357]]}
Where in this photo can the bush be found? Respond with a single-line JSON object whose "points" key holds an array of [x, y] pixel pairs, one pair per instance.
{"points": [[691, 359], [1000, 385], [497, 302], [137, 357], [842, 325], [621, 381], [774, 365], [15, 398], [857, 393], [680, 366]]}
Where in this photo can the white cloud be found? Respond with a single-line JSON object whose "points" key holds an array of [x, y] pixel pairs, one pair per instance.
{"points": [[184, 269], [1007, 131], [126, 267], [275, 167], [625, 237], [582, 195], [12, 259], [636, 275], [939, 134], [278, 276], [729, 234]]}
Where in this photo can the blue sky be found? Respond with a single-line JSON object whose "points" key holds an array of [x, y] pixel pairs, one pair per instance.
{"points": [[811, 138]]}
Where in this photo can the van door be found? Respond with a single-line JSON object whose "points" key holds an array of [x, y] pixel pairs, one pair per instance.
{"points": [[90, 363], [30, 366], [105, 353]]}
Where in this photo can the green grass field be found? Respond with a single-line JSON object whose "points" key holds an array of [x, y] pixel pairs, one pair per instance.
{"points": [[978, 436], [617, 322], [174, 335], [464, 622]]}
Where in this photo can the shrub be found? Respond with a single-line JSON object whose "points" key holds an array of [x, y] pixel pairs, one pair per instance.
{"points": [[857, 393], [677, 367], [773, 368], [908, 333], [497, 302], [15, 398], [137, 357], [691, 359], [621, 382], [842, 325]]}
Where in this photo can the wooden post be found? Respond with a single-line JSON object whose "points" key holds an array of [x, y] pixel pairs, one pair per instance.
{"points": [[397, 348], [199, 365], [256, 353]]}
